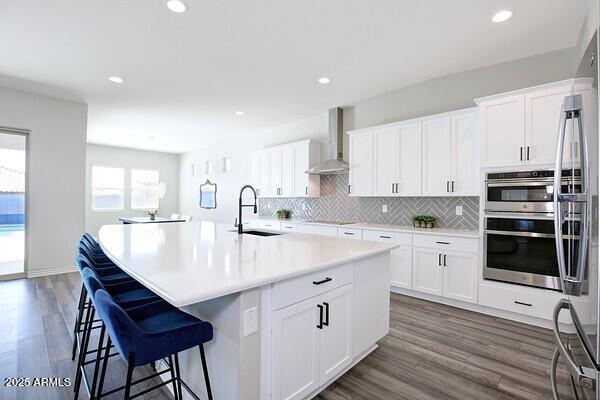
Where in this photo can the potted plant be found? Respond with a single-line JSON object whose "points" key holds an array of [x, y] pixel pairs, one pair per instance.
{"points": [[282, 213], [417, 221], [152, 214], [429, 221]]}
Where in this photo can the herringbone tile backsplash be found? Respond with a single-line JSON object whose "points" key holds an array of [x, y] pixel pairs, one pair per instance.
{"points": [[335, 205]]}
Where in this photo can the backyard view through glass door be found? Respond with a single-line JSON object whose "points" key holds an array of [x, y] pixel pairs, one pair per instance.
{"points": [[12, 203]]}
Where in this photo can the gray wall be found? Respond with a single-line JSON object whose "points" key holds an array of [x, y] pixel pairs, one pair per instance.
{"points": [[434, 96], [56, 190], [167, 165]]}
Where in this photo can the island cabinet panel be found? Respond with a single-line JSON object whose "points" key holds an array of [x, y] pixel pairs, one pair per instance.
{"points": [[336, 334], [371, 302], [325, 230], [401, 267], [295, 350]]}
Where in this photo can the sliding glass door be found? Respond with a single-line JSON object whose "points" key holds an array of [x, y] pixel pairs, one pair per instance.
{"points": [[13, 162]]}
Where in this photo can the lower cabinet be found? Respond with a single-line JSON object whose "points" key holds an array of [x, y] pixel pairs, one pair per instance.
{"points": [[451, 274], [312, 342], [401, 267]]}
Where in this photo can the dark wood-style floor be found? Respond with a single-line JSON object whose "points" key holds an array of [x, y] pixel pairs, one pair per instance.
{"points": [[432, 352]]}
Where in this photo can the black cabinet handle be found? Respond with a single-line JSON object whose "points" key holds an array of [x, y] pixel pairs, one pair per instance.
{"points": [[328, 279], [385, 237], [349, 233], [445, 261], [320, 326], [393, 188], [452, 186], [397, 188], [527, 153], [306, 190], [439, 260], [447, 186], [521, 153], [326, 322], [443, 242], [349, 186], [523, 304]]}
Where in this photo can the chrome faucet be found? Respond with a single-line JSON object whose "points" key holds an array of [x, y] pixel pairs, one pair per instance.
{"points": [[240, 226]]}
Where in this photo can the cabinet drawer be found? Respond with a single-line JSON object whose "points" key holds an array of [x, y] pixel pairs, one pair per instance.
{"points": [[387, 236], [289, 227], [445, 242], [325, 230], [529, 301], [303, 287], [270, 225], [350, 233]]}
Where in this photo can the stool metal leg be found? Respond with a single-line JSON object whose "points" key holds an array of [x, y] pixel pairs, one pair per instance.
{"points": [[97, 364], [130, 367], [205, 369], [80, 308], [104, 364], [176, 392], [87, 332], [178, 374], [81, 353]]}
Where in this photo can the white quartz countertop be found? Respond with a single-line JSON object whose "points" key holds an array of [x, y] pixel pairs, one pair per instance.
{"points": [[385, 227], [411, 229], [191, 262]]}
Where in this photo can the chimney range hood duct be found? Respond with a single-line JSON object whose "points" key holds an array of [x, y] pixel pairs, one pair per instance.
{"points": [[335, 165]]}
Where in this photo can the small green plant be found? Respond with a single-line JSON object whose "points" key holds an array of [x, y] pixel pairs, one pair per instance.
{"points": [[283, 213], [424, 221]]}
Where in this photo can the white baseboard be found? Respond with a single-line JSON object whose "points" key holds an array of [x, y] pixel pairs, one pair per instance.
{"points": [[51, 271]]}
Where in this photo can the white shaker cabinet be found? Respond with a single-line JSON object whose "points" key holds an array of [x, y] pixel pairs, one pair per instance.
{"points": [[427, 271], [306, 154], [361, 163], [295, 352], [460, 276], [503, 124], [437, 156], [264, 174], [397, 160], [401, 262], [276, 171], [465, 154]]}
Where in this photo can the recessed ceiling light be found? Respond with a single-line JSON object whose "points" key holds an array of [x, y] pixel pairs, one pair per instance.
{"points": [[324, 80], [502, 16], [177, 6], [240, 113], [115, 79]]}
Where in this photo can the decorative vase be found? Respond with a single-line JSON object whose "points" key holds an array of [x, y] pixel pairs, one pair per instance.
{"points": [[152, 217]]}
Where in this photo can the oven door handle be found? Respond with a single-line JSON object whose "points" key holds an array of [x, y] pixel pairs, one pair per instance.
{"points": [[530, 234], [546, 182], [516, 215]]}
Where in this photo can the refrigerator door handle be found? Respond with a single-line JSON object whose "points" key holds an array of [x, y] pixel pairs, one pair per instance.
{"points": [[584, 377], [571, 283]]}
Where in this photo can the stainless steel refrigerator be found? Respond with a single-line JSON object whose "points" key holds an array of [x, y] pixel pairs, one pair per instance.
{"points": [[576, 316]]}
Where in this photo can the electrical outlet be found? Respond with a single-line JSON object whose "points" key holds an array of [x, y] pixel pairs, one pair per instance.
{"points": [[384, 208], [458, 210], [250, 321]]}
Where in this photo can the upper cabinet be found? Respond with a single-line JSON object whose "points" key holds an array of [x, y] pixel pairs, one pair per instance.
{"points": [[280, 171], [520, 128], [361, 163], [429, 156], [397, 160]]}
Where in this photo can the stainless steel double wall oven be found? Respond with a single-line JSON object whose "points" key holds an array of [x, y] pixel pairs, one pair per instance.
{"points": [[519, 235]]}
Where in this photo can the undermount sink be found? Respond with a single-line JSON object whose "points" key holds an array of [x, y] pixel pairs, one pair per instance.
{"points": [[259, 233]]}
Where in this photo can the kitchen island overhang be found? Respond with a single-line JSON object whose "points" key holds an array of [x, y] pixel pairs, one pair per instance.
{"points": [[291, 312]]}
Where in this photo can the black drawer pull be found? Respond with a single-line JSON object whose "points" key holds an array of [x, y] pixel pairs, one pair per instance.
{"points": [[349, 233], [385, 237], [443, 242], [523, 304], [328, 279]]}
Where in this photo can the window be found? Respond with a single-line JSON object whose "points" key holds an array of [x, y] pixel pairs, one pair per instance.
{"points": [[108, 188], [145, 189]]}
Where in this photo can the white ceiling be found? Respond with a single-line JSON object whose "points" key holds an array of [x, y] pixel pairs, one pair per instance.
{"points": [[186, 74]]}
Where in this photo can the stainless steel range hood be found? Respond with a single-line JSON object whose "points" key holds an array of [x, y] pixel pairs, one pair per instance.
{"points": [[335, 165]]}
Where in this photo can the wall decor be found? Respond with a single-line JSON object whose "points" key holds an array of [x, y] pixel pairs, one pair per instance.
{"points": [[208, 195]]}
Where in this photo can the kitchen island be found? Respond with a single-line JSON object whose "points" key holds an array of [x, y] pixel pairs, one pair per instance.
{"points": [[291, 312]]}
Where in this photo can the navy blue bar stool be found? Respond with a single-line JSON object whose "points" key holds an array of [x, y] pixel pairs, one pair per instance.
{"points": [[127, 295], [146, 334]]}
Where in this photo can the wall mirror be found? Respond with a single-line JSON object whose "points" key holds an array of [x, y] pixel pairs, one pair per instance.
{"points": [[208, 195]]}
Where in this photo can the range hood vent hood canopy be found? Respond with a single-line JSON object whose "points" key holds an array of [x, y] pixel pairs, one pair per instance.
{"points": [[335, 165]]}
